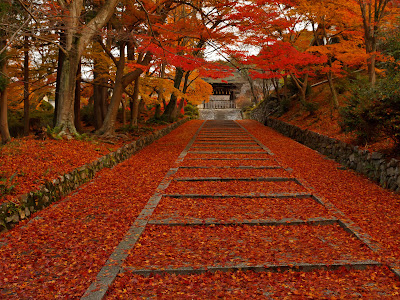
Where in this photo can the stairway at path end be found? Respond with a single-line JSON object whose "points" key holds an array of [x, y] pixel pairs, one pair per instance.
{"points": [[220, 114]]}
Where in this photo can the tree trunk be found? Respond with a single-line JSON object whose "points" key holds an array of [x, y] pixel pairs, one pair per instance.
{"points": [[77, 102], [170, 111], [157, 112], [77, 37], [302, 86], [61, 57], [372, 65], [160, 91], [5, 134], [65, 113], [142, 109], [123, 102], [372, 14], [335, 100], [121, 82], [275, 83], [135, 103], [108, 127], [26, 85]]}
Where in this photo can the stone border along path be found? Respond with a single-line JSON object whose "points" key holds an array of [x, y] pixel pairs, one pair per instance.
{"points": [[206, 132]]}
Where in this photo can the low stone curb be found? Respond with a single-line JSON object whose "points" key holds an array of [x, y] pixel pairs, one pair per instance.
{"points": [[373, 165], [12, 212]]}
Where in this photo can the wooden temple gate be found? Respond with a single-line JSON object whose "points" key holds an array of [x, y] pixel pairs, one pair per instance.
{"points": [[223, 96]]}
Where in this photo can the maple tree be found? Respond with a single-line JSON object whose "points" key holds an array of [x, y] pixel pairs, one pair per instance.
{"points": [[164, 42], [335, 26], [77, 38], [373, 12]]}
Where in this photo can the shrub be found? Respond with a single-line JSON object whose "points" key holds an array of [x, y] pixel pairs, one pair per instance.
{"points": [[374, 111], [37, 119], [191, 111], [87, 115]]}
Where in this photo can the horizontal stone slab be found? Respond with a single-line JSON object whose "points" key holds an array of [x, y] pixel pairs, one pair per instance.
{"points": [[252, 195], [267, 267], [283, 222], [205, 158], [238, 167], [229, 152], [267, 179]]}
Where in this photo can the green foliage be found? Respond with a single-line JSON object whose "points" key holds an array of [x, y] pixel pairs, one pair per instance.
{"points": [[390, 45], [135, 130], [87, 115], [84, 137], [53, 132], [156, 121], [371, 112], [6, 185], [191, 111], [3, 82], [311, 107], [284, 106], [46, 106], [38, 119]]}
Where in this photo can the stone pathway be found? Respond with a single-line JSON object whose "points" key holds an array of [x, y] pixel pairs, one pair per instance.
{"points": [[261, 218]]}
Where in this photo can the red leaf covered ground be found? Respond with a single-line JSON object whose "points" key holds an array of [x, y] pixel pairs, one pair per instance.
{"points": [[178, 246], [373, 208], [375, 283], [35, 161], [239, 209], [60, 251]]}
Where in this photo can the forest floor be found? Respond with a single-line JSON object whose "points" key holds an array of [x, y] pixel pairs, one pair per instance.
{"points": [[163, 212], [28, 162], [326, 120]]}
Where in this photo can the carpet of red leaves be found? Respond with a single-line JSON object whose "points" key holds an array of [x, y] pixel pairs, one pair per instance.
{"points": [[374, 283], [236, 173], [239, 209], [59, 252], [374, 209], [35, 161], [199, 246], [233, 187]]}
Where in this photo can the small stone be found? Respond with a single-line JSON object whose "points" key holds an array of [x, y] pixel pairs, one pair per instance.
{"points": [[12, 219], [376, 155], [390, 171], [23, 198], [393, 163]]}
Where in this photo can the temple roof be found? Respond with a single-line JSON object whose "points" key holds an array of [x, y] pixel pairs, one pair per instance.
{"points": [[235, 78]]}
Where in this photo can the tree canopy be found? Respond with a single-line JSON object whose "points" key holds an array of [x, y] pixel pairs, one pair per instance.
{"points": [[107, 52]]}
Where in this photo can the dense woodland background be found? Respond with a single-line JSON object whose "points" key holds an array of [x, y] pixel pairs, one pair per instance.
{"points": [[102, 62]]}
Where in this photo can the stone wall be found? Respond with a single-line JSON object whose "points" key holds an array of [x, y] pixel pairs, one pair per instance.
{"points": [[264, 109], [373, 165], [12, 212]]}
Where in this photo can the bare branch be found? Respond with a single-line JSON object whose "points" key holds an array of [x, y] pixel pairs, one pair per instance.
{"points": [[27, 10], [107, 51], [13, 37]]}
